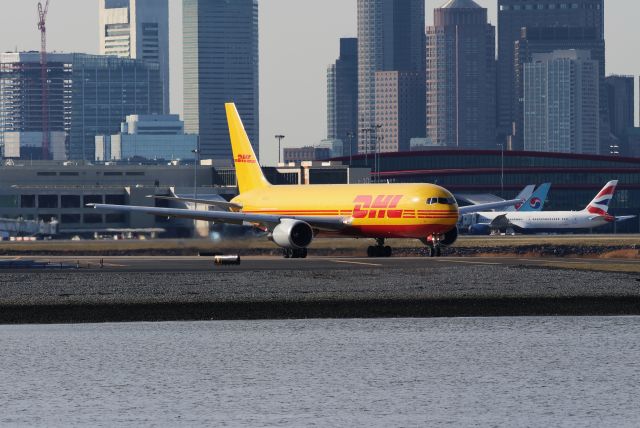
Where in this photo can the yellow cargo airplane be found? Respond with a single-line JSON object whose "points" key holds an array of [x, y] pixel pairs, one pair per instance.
{"points": [[295, 215]]}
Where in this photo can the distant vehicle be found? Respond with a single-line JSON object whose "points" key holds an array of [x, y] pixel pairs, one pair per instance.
{"points": [[594, 215]]}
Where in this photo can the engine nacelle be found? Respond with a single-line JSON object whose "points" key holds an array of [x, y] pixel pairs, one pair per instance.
{"points": [[480, 229], [294, 234], [450, 237]]}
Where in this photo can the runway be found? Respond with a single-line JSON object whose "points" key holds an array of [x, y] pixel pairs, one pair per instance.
{"points": [[176, 264]]}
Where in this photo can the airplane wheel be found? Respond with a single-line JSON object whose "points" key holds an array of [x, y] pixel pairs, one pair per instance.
{"points": [[371, 251], [432, 252], [295, 254], [438, 251], [387, 251]]}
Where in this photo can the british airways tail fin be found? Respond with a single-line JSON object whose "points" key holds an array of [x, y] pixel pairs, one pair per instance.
{"points": [[600, 204], [537, 199]]}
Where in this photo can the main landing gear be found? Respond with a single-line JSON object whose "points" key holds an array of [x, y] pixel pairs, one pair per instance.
{"points": [[290, 253], [379, 250]]}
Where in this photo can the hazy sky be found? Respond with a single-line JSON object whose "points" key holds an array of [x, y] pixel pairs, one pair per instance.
{"points": [[298, 39]]}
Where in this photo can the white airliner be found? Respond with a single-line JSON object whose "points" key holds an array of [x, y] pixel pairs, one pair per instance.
{"points": [[594, 215]]}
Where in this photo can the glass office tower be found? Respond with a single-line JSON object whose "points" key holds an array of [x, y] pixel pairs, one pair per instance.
{"points": [[220, 40]]}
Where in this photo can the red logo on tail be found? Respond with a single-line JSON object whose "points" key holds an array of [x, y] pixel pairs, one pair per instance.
{"points": [[245, 159]]}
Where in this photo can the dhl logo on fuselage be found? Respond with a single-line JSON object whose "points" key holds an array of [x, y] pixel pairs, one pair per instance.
{"points": [[386, 206], [245, 159], [380, 206]]}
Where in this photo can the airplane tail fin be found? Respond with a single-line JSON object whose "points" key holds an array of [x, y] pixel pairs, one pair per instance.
{"points": [[523, 196], [537, 199], [600, 204], [248, 171]]}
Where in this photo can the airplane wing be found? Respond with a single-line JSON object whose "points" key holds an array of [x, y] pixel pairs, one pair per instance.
{"points": [[501, 222], [625, 217], [269, 221], [486, 207], [224, 205]]}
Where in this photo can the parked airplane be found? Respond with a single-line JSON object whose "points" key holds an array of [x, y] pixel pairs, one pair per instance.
{"points": [[294, 215], [532, 201], [594, 215]]}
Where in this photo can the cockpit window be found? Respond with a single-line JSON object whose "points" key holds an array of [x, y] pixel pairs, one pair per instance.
{"points": [[444, 201]]}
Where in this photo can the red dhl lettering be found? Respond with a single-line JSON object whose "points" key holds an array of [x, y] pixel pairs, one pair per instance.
{"points": [[245, 159], [381, 203]]}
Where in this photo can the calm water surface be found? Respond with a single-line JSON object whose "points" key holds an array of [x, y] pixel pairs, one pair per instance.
{"points": [[402, 372]]}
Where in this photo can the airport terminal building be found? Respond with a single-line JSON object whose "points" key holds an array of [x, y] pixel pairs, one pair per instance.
{"points": [[49, 190]]}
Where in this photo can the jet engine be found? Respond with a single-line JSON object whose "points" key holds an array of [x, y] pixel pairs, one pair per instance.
{"points": [[450, 237], [480, 229], [294, 234]]}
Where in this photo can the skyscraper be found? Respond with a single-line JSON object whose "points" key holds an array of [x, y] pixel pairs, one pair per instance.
{"points": [[544, 40], [561, 92], [390, 38], [220, 39], [342, 96], [461, 74], [513, 15], [621, 104], [137, 29], [399, 111], [88, 95]]}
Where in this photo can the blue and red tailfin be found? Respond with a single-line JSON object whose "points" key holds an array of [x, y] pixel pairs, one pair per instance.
{"points": [[537, 199], [600, 204]]}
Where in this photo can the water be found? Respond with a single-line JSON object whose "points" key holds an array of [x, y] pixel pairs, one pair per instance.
{"points": [[401, 372]]}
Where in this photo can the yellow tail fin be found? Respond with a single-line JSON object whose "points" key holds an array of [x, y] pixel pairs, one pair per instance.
{"points": [[248, 171]]}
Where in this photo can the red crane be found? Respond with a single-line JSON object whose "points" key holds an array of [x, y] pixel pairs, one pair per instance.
{"points": [[42, 18]]}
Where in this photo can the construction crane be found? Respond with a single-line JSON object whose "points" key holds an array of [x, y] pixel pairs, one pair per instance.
{"points": [[42, 19]]}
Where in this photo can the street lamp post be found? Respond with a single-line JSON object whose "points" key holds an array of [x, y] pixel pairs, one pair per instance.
{"points": [[196, 153], [366, 134], [350, 136], [279, 137], [376, 152]]}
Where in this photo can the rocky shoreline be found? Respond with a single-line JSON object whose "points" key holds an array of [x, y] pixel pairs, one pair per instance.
{"points": [[466, 290]]}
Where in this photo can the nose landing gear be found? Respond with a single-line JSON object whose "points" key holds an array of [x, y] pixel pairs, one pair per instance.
{"points": [[434, 251], [379, 250], [433, 245]]}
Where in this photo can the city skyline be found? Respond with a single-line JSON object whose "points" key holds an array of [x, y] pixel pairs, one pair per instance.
{"points": [[292, 93]]}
